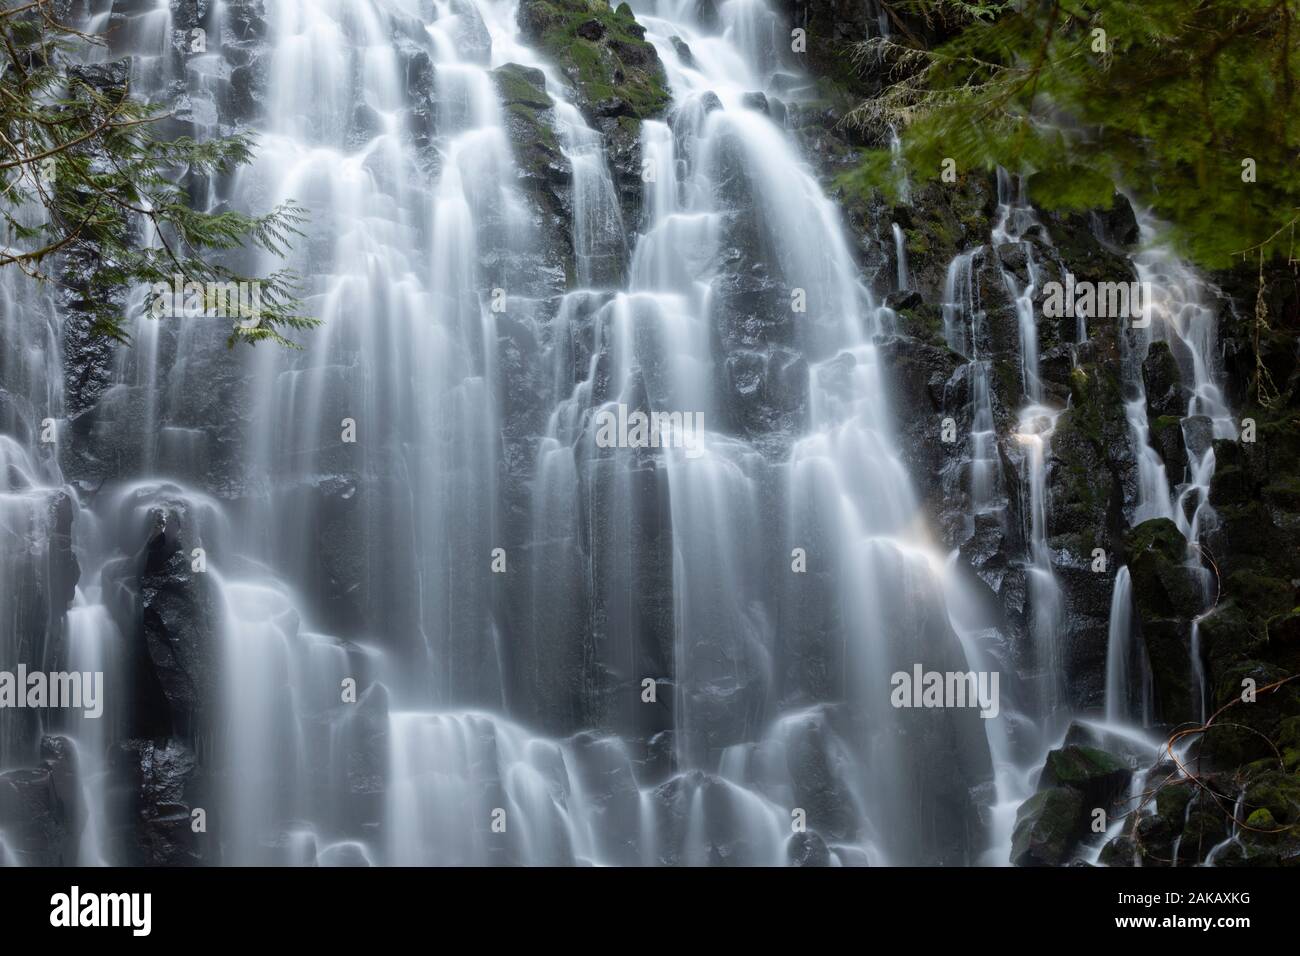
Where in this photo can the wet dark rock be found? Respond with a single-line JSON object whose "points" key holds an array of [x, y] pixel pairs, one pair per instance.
{"points": [[820, 790], [1091, 247], [1116, 227], [766, 393], [1167, 439], [916, 375], [35, 820], [179, 620], [591, 30], [807, 849], [246, 91], [1198, 435], [1167, 596], [683, 51], [1048, 827], [545, 175], [1099, 776], [366, 124], [246, 19], [157, 786], [1166, 395]]}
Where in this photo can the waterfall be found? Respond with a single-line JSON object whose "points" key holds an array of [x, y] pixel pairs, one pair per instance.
{"points": [[1118, 646], [900, 255], [395, 594], [1036, 421], [896, 154], [1177, 312], [1153, 480], [964, 332]]}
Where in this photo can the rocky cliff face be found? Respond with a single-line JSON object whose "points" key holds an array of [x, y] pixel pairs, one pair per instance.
{"points": [[1243, 763]]}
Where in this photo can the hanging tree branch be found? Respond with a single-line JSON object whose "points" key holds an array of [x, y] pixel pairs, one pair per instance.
{"points": [[82, 167]]}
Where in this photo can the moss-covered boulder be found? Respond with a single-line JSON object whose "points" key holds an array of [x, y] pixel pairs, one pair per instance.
{"points": [[1048, 827], [1267, 828], [1099, 777], [1251, 727], [1276, 792], [1288, 744], [1164, 586], [603, 52], [1230, 633]]}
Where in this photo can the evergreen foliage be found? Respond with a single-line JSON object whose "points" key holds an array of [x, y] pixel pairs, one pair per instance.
{"points": [[1166, 99], [84, 174]]}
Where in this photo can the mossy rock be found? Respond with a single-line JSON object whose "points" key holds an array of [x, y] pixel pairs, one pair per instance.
{"points": [[1121, 851], [1256, 491], [1284, 493], [1172, 800], [1264, 595], [1080, 480], [1262, 819], [1160, 537], [1229, 634], [603, 51], [1276, 792], [1099, 776], [1254, 849], [1206, 824], [523, 86], [1048, 827], [1225, 745], [1249, 731], [1288, 742], [922, 321], [1167, 439], [1164, 585], [1230, 687], [1155, 840]]}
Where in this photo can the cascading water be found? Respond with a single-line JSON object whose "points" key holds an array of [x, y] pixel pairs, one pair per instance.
{"points": [[380, 442], [1127, 669], [408, 604], [1177, 313], [1036, 423]]}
